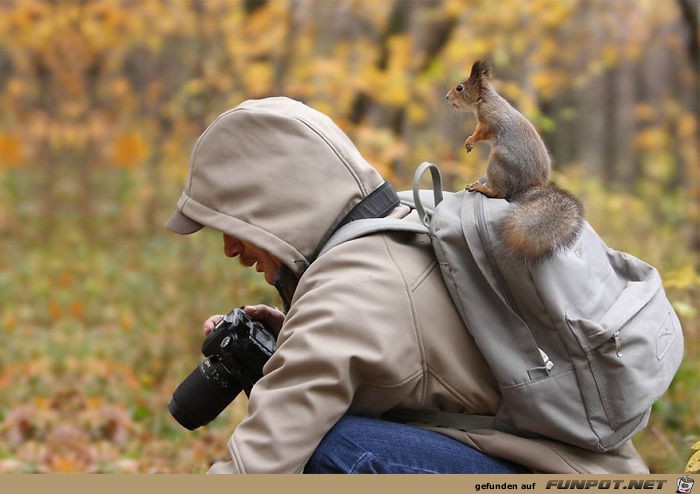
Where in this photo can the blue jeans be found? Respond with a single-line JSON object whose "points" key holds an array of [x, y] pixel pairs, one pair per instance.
{"points": [[366, 445]]}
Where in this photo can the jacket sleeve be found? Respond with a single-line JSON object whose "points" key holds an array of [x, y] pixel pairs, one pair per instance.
{"points": [[330, 345]]}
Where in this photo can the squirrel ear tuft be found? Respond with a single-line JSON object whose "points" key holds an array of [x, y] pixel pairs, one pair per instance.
{"points": [[481, 68], [475, 70], [484, 68]]}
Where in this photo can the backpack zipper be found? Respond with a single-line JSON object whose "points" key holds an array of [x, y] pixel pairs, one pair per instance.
{"points": [[618, 346], [484, 237]]}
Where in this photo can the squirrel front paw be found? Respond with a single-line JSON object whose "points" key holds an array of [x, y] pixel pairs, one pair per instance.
{"points": [[468, 146], [473, 187]]}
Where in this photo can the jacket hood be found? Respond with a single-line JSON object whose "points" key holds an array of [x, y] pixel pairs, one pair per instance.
{"points": [[277, 174]]}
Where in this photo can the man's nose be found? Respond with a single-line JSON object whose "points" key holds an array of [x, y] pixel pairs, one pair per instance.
{"points": [[232, 247], [230, 251]]}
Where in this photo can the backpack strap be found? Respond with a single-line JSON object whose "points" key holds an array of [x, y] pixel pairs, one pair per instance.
{"points": [[379, 203], [437, 190], [360, 228]]}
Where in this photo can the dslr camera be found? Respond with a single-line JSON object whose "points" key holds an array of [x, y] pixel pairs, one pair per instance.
{"points": [[235, 352]]}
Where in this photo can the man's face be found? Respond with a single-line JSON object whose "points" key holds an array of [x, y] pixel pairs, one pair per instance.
{"points": [[249, 255]]}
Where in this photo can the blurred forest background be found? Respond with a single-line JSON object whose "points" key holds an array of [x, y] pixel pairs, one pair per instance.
{"points": [[101, 307]]}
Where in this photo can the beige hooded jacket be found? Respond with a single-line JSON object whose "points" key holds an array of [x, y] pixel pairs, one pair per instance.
{"points": [[371, 325]]}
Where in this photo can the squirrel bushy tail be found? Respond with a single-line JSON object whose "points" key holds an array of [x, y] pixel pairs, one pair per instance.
{"points": [[545, 219]]}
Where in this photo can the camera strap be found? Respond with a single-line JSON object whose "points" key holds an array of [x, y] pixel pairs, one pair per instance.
{"points": [[380, 202], [286, 283]]}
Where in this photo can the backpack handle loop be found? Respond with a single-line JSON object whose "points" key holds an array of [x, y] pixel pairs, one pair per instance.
{"points": [[437, 189]]}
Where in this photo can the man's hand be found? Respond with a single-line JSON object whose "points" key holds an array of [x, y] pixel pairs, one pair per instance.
{"points": [[271, 317], [210, 323]]}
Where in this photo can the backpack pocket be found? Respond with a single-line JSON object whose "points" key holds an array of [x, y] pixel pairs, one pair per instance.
{"points": [[631, 353]]}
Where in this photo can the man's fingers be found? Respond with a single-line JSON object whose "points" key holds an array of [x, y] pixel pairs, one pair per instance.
{"points": [[269, 316], [211, 322]]}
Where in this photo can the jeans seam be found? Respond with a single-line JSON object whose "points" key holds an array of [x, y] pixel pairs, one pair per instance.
{"points": [[368, 456], [355, 466]]}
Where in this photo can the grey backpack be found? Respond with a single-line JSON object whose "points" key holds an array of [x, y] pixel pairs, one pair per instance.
{"points": [[581, 344]]}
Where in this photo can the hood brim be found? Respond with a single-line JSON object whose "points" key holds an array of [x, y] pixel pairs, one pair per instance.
{"points": [[276, 174], [182, 224]]}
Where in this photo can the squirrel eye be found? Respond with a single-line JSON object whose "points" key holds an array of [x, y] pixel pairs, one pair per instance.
{"points": [[459, 88]]}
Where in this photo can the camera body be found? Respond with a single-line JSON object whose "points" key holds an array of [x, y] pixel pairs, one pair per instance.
{"points": [[235, 352]]}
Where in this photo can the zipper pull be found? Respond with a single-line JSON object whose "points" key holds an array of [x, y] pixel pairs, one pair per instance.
{"points": [[548, 364], [618, 345]]}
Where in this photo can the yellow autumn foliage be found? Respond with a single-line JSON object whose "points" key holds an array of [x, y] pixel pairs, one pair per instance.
{"points": [[128, 150], [103, 100], [693, 465], [11, 150]]}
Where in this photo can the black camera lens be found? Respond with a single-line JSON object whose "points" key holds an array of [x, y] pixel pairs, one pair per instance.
{"points": [[203, 395], [236, 351]]}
